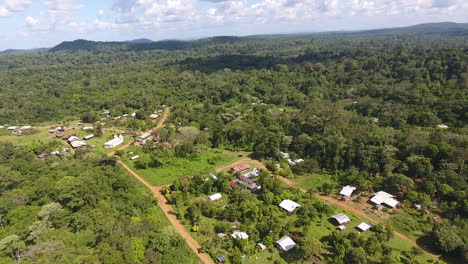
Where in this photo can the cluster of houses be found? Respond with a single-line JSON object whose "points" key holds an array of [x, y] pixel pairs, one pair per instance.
{"points": [[291, 162], [341, 220], [18, 130], [247, 179], [379, 200]]}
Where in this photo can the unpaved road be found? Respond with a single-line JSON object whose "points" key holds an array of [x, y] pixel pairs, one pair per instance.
{"points": [[166, 208], [326, 199]]}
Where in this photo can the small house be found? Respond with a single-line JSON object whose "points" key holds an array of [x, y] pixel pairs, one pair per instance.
{"points": [[221, 235], [77, 143], [117, 140], [341, 218], [89, 137], [261, 246], [284, 155], [364, 226], [347, 191], [239, 234], [88, 128], [383, 198], [215, 197], [72, 138], [437, 219], [289, 205], [249, 183], [154, 116], [285, 244], [134, 157], [254, 173], [144, 136], [25, 127], [232, 183], [442, 126], [221, 259], [12, 127]]}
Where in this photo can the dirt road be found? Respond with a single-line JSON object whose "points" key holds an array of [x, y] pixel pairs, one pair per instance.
{"points": [[166, 208], [326, 199]]}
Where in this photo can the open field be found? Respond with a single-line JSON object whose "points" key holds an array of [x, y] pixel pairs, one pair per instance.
{"points": [[172, 167]]}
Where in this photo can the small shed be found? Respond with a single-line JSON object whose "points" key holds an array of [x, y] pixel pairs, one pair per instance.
{"points": [[347, 191], [89, 137], [289, 205], [285, 243], [261, 246], [239, 234], [341, 218], [215, 197], [135, 157], [437, 219], [364, 226]]}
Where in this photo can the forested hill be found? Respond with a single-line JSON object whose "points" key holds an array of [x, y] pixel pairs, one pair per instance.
{"points": [[431, 29], [442, 29], [139, 45]]}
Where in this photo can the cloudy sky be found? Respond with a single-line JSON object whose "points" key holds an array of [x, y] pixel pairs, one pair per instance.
{"points": [[45, 23]]}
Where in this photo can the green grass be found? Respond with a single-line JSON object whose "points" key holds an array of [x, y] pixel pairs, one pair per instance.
{"points": [[173, 168], [40, 137], [313, 181]]}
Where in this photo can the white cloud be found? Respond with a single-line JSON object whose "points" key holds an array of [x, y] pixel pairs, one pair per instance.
{"points": [[17, 5], [4, 12]]}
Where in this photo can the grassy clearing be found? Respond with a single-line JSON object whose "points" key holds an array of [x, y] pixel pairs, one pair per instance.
{"points": [[313, 181], [172, 168]]}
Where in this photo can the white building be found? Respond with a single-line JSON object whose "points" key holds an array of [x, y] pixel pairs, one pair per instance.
{"points": [[73, 138], [25, 127], [239, 234], [254, 173], [117, 140], [341, 218], [144, 136], [2, 127], [442, 126], [88, 128], [261, 246], [77, 143], [289, 205], [135, 157], [364, 226], [215, 197], [284, 155], [285, 243], [383, 198], [89, 137], [347, 191], [11, 127]]}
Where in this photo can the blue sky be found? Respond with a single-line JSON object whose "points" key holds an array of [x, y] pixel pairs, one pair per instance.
{"points": [[45, 23]]}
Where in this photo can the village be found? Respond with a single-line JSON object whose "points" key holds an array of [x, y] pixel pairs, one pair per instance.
{"points": [[290, 210]]}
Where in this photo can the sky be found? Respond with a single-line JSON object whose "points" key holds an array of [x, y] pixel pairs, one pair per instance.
{"points": [[46, 23]]}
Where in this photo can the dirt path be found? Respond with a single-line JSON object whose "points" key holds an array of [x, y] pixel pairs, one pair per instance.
{"points": [[328, 199], [166, 208]]}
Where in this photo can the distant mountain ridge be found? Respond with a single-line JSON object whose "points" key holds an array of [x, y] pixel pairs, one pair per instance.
{"points": [[81, 45], [23, 51]]}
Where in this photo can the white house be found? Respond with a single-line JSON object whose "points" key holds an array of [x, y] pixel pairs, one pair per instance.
{"points": [[285, 243], [261, 246], [347, 191], [383, 198], [144, 136], [89, 137], [117, 140], [135, 157], [284, 155], [77, 143], [364, 226], [253, 173], [2, 127], [442, 126], [289, 205], [239, 234], [73, 138], [154, 116], [11, 127], [215, 197], [25, 127], [341, 218], [88, 128]]}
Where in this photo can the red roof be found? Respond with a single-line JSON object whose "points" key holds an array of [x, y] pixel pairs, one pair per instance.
{"points": [[232, 182], [240, 168], [437, 218]]}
